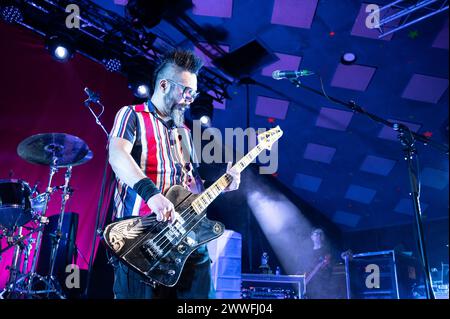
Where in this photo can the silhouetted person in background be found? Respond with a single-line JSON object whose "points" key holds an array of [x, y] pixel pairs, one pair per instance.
{"points": [[318, 267]]}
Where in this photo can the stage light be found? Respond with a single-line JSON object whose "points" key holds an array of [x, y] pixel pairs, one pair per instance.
{"points": [[112, 64], [202, 109], [61, 53], [348, 58], [281, 230], [205, 120], [140, 89], [60, 48], [11, 14]]}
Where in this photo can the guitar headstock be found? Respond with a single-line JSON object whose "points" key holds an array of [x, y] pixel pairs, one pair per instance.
{"points": [[266, 139]]}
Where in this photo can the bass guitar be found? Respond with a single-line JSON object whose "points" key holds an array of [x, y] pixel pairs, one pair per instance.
{"points": [[158, 250]]}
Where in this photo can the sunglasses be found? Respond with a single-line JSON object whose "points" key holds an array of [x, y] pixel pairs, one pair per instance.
{"points": [[189, 94]]}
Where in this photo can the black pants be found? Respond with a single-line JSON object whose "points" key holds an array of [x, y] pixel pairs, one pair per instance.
{"points": [[195, 281]]}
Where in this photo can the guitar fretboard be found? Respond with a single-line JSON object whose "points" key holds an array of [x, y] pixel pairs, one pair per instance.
{"points": [[211, 193]]}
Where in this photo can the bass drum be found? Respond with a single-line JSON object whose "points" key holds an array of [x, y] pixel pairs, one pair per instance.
{"points": [[15, 207]]}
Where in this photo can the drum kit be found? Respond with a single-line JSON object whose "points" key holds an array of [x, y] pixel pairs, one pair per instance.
{"points": [[23, 209]]}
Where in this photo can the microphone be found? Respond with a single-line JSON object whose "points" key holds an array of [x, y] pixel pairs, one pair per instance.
{"points": [[278, 75], [93, 97]]}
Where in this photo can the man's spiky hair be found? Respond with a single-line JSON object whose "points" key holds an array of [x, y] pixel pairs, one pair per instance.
{"points": [[185, 60]]}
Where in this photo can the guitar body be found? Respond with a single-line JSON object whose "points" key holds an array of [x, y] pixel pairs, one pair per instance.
{"points": [[159, 250]]}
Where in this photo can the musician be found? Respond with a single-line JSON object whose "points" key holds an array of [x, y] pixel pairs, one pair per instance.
{"points": [[150, 150], [318, 269]]}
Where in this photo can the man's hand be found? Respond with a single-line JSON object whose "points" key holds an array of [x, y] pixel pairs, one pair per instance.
{"points": [[162, 207], [236, 178]]}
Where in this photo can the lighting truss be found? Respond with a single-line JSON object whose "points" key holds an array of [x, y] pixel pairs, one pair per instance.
{"points": [[101, 30], [192, 31], [407, 13]]}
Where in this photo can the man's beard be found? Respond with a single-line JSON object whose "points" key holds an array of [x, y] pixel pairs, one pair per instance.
{"points": [[174, 110], [177, 116]]}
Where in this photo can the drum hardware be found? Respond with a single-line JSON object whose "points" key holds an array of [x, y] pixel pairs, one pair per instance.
{"points": [[14, 269], [57, 150], [22, 244], [51, 284], [57, 235]]}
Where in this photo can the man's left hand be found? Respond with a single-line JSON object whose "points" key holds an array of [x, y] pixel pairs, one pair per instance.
{"points": [[236, 178]]}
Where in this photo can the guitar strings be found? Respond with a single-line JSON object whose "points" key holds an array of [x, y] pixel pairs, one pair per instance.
{"points": [[163, 242], [188, 210], [167, 228]]}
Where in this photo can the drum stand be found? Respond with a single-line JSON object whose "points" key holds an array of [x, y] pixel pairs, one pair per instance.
{"points": [[11, 289], [51, 283], [24, 285], [57, 235]]}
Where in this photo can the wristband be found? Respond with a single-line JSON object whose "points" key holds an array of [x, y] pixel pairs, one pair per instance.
{"points": [[146, 188]]}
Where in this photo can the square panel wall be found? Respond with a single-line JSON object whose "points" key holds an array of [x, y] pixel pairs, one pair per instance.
{"points": [[213, 8], [307, 182], [434, 178], [271, 107], [353, 77], [377, 165], [319, 153], [441, 40], [425, 88], [334, 119], [360, 194], [294, 13]]}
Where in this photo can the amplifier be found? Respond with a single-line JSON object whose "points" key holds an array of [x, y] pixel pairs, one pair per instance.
{"points": [[264, 286], [383, 275]]}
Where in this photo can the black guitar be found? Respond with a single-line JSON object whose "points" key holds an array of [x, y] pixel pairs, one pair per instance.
{"points": [[159, 250]]}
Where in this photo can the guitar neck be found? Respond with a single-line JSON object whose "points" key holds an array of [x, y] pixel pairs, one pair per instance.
{"points": [[312, 274], [212, 192]]}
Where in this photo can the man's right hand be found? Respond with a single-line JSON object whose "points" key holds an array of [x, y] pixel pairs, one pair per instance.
{"points": [[162, 207]]}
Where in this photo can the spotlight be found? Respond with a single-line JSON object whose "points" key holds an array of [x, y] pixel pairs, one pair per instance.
{"points": [[348, 58], [205, 120], [11, 14], [202, 110], [60, 48], [112, 64], [140, 89], [61, 53], [143, 90]]}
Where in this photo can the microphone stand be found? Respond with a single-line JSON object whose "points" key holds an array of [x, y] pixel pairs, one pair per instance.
{"points": [[407, 139], [247, 81], [97, 231], [96, 100]]}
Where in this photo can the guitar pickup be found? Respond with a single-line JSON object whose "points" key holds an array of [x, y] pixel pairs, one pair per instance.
{"points": [[152, 249]]}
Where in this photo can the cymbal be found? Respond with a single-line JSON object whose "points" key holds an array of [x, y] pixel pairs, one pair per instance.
{"points": [[57, 149]]}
